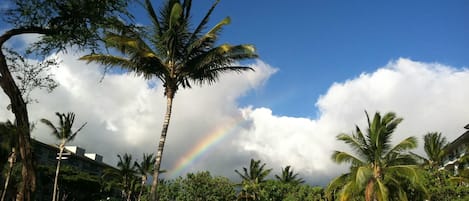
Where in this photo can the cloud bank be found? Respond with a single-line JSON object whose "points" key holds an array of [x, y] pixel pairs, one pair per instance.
{"points": [[125, 113]]}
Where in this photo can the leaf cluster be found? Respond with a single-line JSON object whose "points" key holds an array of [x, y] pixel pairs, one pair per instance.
{"points": [[65, 23]]}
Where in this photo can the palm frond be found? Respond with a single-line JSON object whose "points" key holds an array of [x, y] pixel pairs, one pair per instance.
{"points": [[49, 124], [404, 145], [203, 23], [344, 157], [153, 16]]}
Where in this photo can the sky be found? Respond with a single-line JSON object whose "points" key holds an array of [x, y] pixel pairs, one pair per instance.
{"points": [[321, 65]]}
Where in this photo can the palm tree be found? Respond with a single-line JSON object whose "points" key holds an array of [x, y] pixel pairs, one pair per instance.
{"points": [[145, 168], [289, 177], [8, 142], [126, 173], [378, 171], [175, 53], [63, 132], [252, 179], [434, 144]]}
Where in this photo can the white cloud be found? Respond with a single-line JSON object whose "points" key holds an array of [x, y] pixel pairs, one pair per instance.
{"points": [[125, 114], [429, 96]]}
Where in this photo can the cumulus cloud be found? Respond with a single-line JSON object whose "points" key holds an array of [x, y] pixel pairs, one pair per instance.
{"points": [[429, 96], [125, 113]]}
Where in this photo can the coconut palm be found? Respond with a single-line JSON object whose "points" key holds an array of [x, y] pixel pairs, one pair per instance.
{"points": [[174, 52], [252, 180], [145, 168], [379, 171], [289, 177], [63, 132], [434, 144], [127, 174]]}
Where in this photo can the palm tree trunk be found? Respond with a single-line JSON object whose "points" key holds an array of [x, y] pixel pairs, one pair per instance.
{"points": [[159, 153], [18, 107], [11, 161], [54, 194], [128, 195], [141, 188], [369, 191]]}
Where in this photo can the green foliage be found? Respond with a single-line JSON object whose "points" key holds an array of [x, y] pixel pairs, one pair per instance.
{"points": [[378, 170], [434, 146], [65, 23], [251, 186], [274, 190], [288, 176], [73, 184], [30, 75], [442, 186], [200, 186], [63, 131]]}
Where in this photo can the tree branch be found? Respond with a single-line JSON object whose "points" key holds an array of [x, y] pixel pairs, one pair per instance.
{"points": [[23, 30]]}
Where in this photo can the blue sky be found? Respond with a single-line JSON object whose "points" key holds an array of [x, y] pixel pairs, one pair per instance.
{"points": [[316, 43]]}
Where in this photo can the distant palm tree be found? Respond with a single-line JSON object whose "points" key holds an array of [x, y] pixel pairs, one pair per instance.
{"points": [[252, 179], [8, 142], [378, 170], [289, 177], [63, 132], [175, 53], [434, 144], [145, 168], [127, 174]]}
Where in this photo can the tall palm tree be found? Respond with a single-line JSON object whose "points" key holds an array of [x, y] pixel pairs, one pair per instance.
{"points": [[379, 171], [8, 142], [289, 177], [252, 180], [127, 174], [63, 132], [145, 168], [174, 52], [434, 144]]}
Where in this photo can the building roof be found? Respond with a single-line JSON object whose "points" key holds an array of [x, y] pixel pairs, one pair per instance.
{"points": [[461, 140]]}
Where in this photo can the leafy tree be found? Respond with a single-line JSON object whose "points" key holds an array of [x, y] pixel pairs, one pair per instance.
{"points": [[145, 168], [442, 186], [201, 186], [378, 170], [174, 52], [306, 193], [288, 176], [61, 24], [30, 75], [252, 180], [62, 132], [74, 184]]}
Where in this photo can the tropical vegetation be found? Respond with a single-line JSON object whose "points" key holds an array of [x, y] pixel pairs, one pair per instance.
{"points": [[181, 53], [174, 52], [62, 132], [378, 171]]}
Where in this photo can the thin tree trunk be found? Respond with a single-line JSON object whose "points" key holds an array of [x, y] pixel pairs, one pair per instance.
{"points": [[369, 191], [11, 161], [54, 194], [141, 188], [159, 153], [19, 109], [128, 195]]}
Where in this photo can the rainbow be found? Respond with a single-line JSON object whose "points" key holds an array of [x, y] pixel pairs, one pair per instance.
{"points": [[203, 146]]}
